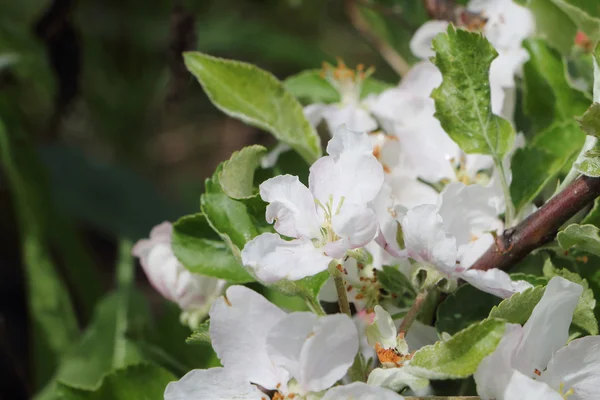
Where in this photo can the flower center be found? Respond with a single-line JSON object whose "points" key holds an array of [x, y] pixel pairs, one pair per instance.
{"points": [[346, 81], [567, 393], [330, 208]]}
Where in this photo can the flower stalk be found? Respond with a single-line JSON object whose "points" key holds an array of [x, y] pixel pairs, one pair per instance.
{"points": [[413, 311]]}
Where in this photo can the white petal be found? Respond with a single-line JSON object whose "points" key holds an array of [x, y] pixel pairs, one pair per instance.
{"points": [[274, 259], [286, 340], [522, 387], [355, 177], [409, 192], [357, 224], [291, 206], [328, 353], [239, 324], [382, 330], [314, 113], [361, 391], [494, 281], [467, 213], [470, 252], [547, 329], [396, 379], [420, 44], [212, 384], [422, 78], [347, 141], [426, 240], [576, 366], [495, 371], [353, 116], [420, 335]]}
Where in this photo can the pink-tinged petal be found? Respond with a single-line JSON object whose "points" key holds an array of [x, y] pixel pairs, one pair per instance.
{"points": [[426, 240], [273, 259], [576, 367], [361, 391], [420, 44], [291, 206], [495, 371], [239, 325], [522, 387], [287, 338], [336, 249], [355, 177], [357, 224], [494, 281], [328, 352], [212, 384], [547, 329], [352, 116], [314, 113], [467, 213], [349, 141]]}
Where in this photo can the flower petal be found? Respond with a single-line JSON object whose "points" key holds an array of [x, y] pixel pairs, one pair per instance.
{"points": [[361, 391], [382, 330], [522, 387], [426, 240], [212, 384], [239, 324], [291, 206], [357, 224], [314, 113], [494, 281], [577, 367], [348, 141], [328, 353], [353, 116], [547, 329], [274, 259], [420, 44], [495, 371], [396, 379]]}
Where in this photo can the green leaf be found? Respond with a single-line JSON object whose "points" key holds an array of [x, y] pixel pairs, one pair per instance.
{"points": [[583, 316], [580, 237], [307, 288], [465, 306], [535, 165], [395, 281], [256, 97], [462, 101], [518, 307], [590, 120], [547, 17], [584, 13], [144, 381], [589, 165], [593, 217], [310, 87], [237, 175], [199, 249], [548, 97], [200, 335], [459, 356], [533, 279]]}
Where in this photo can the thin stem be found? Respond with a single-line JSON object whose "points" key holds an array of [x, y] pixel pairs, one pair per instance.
{"points": [[413, 311], [340, 287], [395, 60], [509, 212], [314, 306]]}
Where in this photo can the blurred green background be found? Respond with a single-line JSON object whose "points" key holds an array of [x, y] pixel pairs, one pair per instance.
{"points": [[111, 135]]}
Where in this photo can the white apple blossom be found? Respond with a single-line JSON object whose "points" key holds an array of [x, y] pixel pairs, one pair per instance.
{"points": [[532, 361], [350, 111], [297, 355], [192, 292], [452, 235], [326, 219]]}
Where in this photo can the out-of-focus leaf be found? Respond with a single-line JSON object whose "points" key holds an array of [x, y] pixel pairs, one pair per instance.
{"points": [[143, 381], [580, 237], [459, 356], [535, 165], [547, 17], [462, 101], [199, 249], [256, 97], [395, 281], [584, 13]]}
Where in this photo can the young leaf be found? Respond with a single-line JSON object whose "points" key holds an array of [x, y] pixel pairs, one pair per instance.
{"points": [[199, 249], [584, 13], [307, 288], [200, 335], [459, 356], [463, 307], [590, 120], [535, 165], [580, 237], [518, 307], [589, 165], [547, 17], [237, 175], [462, 101], [143, 381], [256, 97], [395, 281]]}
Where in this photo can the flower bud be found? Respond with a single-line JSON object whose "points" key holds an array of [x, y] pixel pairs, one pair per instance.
{"points": [[193, 293]]}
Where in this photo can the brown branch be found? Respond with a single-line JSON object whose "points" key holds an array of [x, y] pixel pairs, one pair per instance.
{"points": [[390, 55], [540, 227]]}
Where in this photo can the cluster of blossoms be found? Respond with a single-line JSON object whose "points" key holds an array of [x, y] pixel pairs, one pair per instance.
{"points": [[394, 190]]}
